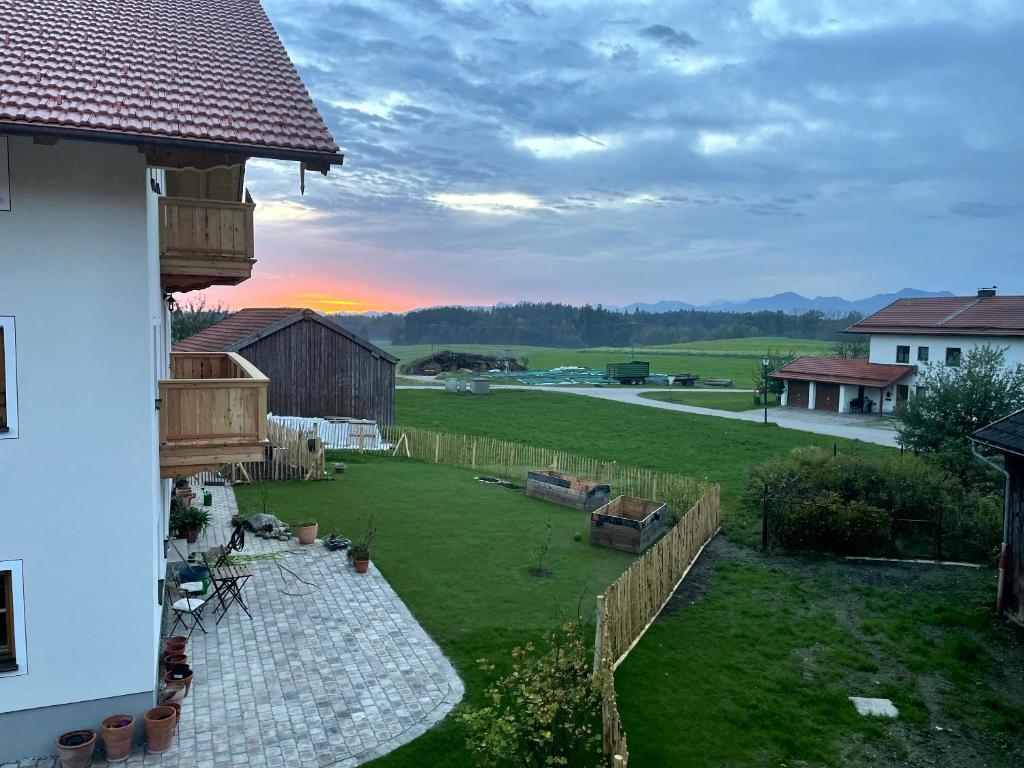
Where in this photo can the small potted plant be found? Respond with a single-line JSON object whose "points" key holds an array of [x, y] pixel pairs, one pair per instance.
{"points": [[307, 531], [359, 552], [118, 731], [76, 747], [193, 521]]}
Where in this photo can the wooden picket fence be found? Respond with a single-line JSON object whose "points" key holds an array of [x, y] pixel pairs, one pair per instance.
{"points": [[293, 454], [630, 605], [511, 461]]}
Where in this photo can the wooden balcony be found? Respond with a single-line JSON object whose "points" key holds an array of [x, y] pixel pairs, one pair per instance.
{"points": [[204, 243], [213, 411]]}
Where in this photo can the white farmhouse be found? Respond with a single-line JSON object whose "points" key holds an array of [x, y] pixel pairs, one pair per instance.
{"points": [[903, 336], [124, 133]]}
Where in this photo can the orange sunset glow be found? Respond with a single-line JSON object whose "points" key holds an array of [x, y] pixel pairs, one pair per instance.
{"points": [[298, 291]]}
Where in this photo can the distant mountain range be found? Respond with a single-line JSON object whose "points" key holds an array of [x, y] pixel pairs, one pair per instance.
{"points": [[791, 303]]}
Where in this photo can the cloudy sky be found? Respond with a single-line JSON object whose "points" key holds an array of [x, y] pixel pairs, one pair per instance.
{"points": [[635, 151]]}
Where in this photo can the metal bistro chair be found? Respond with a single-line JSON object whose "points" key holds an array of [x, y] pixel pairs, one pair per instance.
{"points": [[185, 603], [229, 579]]}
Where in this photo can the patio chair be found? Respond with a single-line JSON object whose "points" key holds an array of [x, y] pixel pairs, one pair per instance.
{"points": [[229, 579], [220, 556], [186, 605]]}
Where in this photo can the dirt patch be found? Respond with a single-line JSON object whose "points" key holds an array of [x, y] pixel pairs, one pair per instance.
{"points": [[699, 580]]}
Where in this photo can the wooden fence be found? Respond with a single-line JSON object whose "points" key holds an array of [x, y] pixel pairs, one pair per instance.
{"points": [[629, 606], [511, 461], [293, 454]]}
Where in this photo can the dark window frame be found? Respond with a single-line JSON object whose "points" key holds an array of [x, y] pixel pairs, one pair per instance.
{"points": [[903, 353], [954, 356], [8, 651], [923, 354]]}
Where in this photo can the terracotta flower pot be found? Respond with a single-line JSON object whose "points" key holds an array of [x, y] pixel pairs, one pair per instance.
{"points": [[192, 536], [160, 722], [362, 566], [186, 679], [118, 731], [174, 659], [177, 642], [76, 747], [176, 689], [177, 711], [307, 533]]}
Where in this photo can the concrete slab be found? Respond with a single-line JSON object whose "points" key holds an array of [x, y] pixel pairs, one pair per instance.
{"points": [[874, 707]]}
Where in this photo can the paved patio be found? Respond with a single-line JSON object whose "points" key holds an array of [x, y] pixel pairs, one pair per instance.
{"points": [[334, 674]]}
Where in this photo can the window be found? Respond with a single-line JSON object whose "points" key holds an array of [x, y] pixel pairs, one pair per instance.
{"points": [[922, 354], [953, 356], [902, 354], [8, 380], [921, 390], [12, 628]]}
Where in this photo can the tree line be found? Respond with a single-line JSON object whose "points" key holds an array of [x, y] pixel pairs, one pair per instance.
{"points": [[564, 325]]}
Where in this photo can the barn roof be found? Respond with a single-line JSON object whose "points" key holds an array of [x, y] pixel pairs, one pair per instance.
{"points": [[960, 315], [840, 370], [247, 326], [209, 76], [1005, 435]]}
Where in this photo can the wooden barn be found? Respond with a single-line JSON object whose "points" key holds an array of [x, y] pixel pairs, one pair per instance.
{"points": [[1006, 436], [316, 367]]}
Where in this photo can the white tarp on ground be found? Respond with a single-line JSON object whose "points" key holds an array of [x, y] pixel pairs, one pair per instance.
{"points": [[358, 434]]}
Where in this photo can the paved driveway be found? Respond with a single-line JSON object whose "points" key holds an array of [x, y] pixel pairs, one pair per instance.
{"points": [[870, 429]]}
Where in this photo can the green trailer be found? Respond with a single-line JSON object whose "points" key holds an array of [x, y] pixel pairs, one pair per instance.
{"points": [[634, 372]]}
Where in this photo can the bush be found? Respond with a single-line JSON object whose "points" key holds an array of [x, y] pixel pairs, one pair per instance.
{"points": [[847, 504], [545, 712]]}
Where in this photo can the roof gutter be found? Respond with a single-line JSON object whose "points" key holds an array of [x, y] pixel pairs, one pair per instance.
{"points": [[315, 161], [1004, 547]]}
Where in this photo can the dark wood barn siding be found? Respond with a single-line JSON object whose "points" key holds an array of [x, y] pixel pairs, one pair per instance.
{"points": [[314, 371]]}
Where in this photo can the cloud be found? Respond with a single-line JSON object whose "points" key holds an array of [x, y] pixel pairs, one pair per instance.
{"points": [[676, 39], [559, 147], [494, 203], [983, 210]]}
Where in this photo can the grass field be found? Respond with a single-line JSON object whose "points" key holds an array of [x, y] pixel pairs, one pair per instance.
{"points": [[750, 664], [457, 552], [736, 359], [721, 401], [700, 446]]}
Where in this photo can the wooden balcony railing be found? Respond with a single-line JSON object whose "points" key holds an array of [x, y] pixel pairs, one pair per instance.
{"points": [[213, 411], [204, 243]]}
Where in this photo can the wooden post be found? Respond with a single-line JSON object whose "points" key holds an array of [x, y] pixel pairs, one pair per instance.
{"points": [[618, 762], [437, 448], [598, 629], [473, 459]]}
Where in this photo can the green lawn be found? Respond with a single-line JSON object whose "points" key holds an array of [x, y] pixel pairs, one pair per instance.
{"points": [[457, 552], [757, 672], [721, 401], [722, 450], [736, 359]]}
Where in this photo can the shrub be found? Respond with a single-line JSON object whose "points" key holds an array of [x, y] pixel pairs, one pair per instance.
{"points": [[846, 504], [545, 712]]}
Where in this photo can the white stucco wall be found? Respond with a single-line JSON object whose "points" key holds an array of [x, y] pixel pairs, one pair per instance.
{"points": [[883, 348], [80, 484]]}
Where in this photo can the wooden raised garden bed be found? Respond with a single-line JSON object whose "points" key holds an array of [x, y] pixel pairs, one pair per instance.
{"points": [[628, 523], [568, 490]]}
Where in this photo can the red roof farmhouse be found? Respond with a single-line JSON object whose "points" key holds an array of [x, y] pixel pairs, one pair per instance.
{"points": [[125, 128], [907, 334]]}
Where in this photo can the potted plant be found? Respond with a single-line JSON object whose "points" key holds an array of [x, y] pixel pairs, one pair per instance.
{"points": [[76, 747], [179, 674], [307, 532], [160, 722], [118, 731], [359, 552], [193, 521]]}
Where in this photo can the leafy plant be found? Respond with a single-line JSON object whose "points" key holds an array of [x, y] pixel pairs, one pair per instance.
{"points": [[191, 519], [776, 360], [545, 712], [361, 549]]}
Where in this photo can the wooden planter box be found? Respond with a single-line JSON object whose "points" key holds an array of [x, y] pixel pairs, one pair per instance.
{"points": [[628, 523], [567, 490]]}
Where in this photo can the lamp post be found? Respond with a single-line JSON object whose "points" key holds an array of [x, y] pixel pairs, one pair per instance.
{"points": [[765, 362]]}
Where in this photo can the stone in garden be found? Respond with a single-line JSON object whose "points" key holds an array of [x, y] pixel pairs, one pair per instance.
{"points": [[874, 707], [259, 521]]}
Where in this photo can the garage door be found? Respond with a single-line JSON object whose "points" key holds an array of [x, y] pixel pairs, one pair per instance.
{"points": [[799, 393], [826, 397]]}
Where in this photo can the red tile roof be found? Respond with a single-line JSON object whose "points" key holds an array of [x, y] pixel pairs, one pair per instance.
{"points": [[839, 370], [193, 72], [960, 315], [245, 326]]}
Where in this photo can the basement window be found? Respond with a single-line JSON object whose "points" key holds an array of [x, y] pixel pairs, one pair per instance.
{"points": [[902, 354], [12, 625], [953, 355], [8, 380]]}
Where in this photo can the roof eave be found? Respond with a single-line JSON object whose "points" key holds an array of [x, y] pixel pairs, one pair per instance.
{"points": [[314, 160]]}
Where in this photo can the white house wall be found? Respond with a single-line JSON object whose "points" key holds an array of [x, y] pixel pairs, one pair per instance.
{"points": [[883, 347], [80, 483]]}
